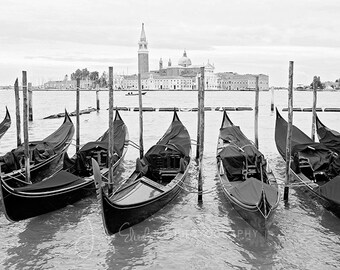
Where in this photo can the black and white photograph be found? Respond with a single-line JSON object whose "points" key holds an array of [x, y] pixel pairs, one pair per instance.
{"points": [[170, 134]]}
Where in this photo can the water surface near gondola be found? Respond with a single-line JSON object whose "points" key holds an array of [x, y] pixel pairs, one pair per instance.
{"points": [[183, 235]]}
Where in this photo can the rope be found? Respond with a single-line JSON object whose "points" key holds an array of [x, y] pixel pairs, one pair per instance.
{"points": [[133, 144]]}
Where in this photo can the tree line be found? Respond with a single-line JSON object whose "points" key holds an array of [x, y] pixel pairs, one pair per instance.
{"points": [[93, 76]]}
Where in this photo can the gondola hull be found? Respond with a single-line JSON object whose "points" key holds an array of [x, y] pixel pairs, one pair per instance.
{"points": [[5, 124], [325, 192], [251, 190], [58, 143], [117, 217], [64, 187], [156, 181], [313, 191], [250, 213], [19, 206]]}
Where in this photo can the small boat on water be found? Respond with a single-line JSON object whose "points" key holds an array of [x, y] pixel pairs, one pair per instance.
{"points": [[5, 124], [46, 156], [134, 94], [157, 180], [330, 138], [314, 165], [245, 177], [69, 185]]}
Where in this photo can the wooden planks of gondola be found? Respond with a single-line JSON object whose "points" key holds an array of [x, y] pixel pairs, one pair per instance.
{"points": [[201, 138], [77, 116], [17, 111], [314, 109], [256, 118], [30, 102], [25, 122], [141, 146], [289, 130], [111, 131]]}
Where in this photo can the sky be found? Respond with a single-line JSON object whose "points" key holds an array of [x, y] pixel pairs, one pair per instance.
{"points": [[50, 39]]}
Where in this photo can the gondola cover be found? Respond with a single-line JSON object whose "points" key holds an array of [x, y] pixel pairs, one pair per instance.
{"points": [[39, 150], [239, 149]]}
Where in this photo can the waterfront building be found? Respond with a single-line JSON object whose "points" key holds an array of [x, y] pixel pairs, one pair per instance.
{"points": [[234, 81]]}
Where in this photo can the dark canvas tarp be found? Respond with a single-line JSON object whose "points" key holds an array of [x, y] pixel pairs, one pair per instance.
{"points": [[81, 164], [40, 150], [330, 138], [250, 192], [331, 190], [59, 180], [237, 149], [103, 142], [318, 155], [176, 138]]}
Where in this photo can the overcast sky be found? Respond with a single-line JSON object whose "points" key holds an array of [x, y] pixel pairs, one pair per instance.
{"points": [[49, 39]]}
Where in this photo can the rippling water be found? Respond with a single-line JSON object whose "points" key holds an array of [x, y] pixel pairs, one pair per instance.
{"points": [[184, 234]]}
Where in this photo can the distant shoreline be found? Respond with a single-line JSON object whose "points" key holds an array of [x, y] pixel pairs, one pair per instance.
{"points": [[159, 90]]}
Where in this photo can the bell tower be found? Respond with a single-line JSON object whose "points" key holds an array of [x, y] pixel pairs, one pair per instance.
{"points": [[143, 53]]}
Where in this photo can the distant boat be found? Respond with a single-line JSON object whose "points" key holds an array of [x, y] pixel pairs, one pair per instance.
{"points": [[134, 94], [5, 124]]}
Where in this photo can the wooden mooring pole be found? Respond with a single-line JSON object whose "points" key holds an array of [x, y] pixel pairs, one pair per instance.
{"points": [[97, 98], [201, 138], [25, 122], [198, 117], [141, 146], [256, 118], [77, 116], [289, 130], [314, 110], [30, 102], [17, 111], [111, 132], [272, 100]]}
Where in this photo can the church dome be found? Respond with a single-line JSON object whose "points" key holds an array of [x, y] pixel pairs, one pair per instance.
{"points": [[184, 61]]}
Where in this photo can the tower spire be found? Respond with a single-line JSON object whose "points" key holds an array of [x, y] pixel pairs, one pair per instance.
{"points": [[142, 34], [143, 53]]}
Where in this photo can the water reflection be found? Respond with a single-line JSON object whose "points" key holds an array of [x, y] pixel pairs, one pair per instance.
{"points": [[258, 250], [37, 240]]}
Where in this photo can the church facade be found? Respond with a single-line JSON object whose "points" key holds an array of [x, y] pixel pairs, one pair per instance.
{"points": [[185, 75]]}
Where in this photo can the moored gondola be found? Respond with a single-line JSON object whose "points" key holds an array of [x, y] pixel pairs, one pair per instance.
{"points": [[156, 181], [328, 137], [46, 156], [69, 185], [245, 177], [313, 165], [5, 124]]}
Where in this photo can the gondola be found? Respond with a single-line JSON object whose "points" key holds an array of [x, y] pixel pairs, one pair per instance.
{"points": [[66, 186], [5, 124], [134, 94], [330, 138], [46, 156], [245, 177], [314, 165], [157, 180]]}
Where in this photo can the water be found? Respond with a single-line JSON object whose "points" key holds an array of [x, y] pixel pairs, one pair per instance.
{"points": [[183, 235]]}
